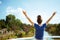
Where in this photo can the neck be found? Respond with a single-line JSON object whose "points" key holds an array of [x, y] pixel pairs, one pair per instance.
{"points": [[40, 24]]}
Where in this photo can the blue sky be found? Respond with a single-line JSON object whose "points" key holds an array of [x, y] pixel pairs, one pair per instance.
{"points": [[45, 8]]}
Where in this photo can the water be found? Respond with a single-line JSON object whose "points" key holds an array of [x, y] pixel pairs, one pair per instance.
{"points": [[33, 38], [46, 36]]}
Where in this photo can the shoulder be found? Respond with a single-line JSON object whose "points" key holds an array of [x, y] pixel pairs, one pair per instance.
{"points": [[44, 24], [35, 24]]}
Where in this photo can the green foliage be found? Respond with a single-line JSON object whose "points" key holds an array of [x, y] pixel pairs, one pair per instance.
{"points": [[53, 29], [2, 24], [19, 29], [10, 18], [12, 22]]}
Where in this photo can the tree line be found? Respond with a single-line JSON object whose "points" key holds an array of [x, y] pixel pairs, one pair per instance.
{"points": [[53, 29]]}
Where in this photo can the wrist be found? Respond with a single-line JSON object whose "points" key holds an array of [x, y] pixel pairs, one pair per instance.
{"points": [[26, 15]]}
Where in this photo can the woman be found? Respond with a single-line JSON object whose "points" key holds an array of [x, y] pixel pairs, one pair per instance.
{"points": [[39, 27]]}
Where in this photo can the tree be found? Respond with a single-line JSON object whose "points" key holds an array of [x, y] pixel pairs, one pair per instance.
{"points": [[58, 30], [10, 19], [53, 29], [12, 22], [2, 24]]}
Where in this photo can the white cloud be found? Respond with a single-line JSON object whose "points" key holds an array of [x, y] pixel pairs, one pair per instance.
{"points": [[0, 2], [11, 10]]}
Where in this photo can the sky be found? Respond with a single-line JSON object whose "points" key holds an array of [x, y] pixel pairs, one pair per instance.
{"points": [[45, 8]]}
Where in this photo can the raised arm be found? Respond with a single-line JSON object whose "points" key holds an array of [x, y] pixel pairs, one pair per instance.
{"points": [[24, 12], [50, 18]]}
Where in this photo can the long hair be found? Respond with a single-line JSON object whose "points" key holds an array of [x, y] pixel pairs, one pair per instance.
{"points": [[39, 20]]}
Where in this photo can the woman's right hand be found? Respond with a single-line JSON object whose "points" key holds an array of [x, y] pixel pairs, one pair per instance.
{"points": [[54, 13], [24, 12]]}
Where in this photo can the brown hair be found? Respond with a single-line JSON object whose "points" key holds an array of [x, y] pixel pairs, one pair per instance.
{"points": [[39, 20]]}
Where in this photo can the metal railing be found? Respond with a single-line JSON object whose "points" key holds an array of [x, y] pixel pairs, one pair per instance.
{"points": [[45, 38]]}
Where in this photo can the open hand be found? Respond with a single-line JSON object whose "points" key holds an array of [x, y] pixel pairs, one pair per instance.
{"points": [[24, 12], [54, 13]]}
